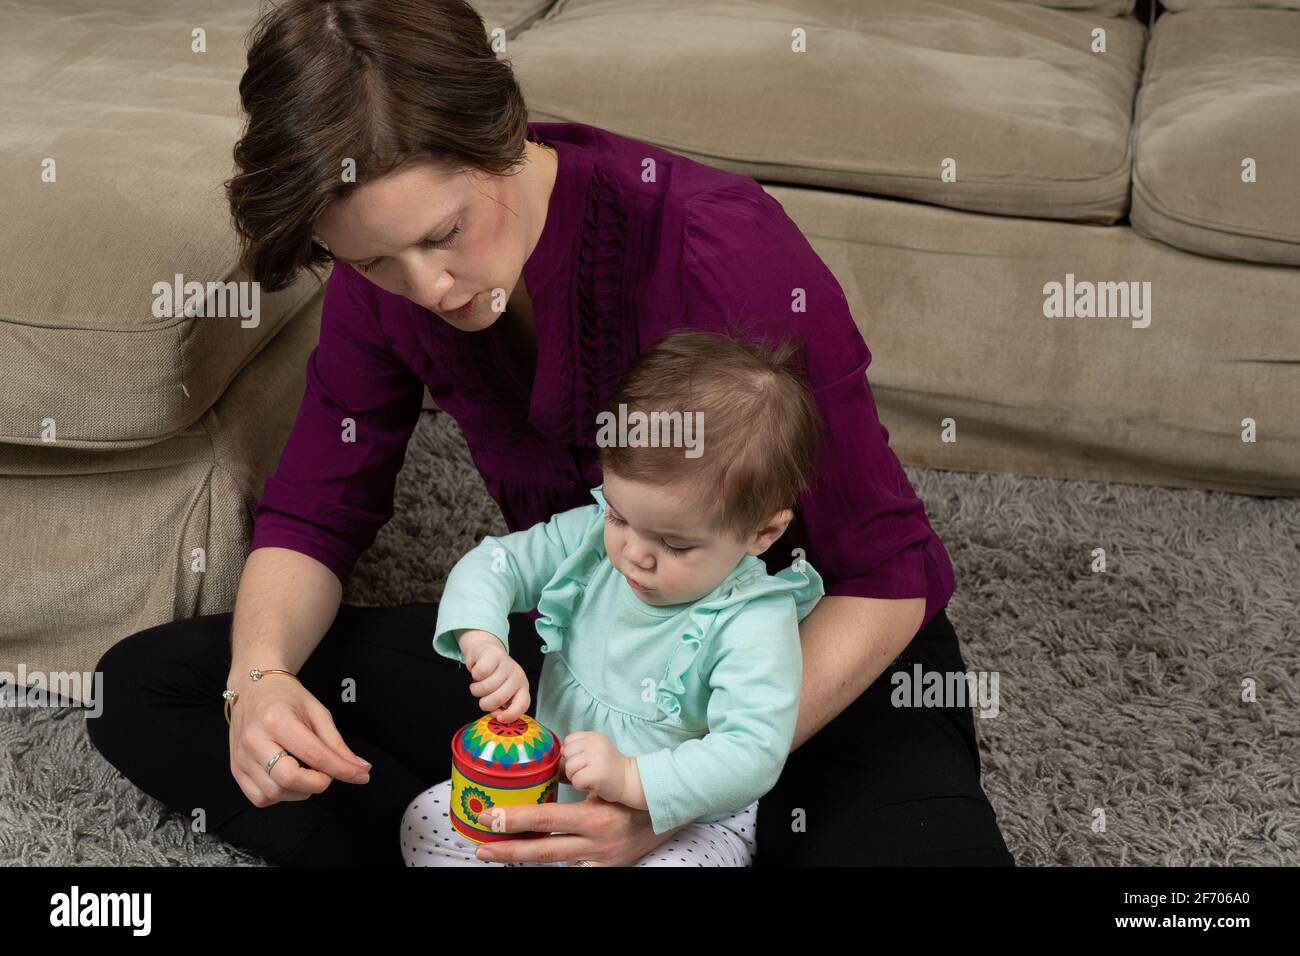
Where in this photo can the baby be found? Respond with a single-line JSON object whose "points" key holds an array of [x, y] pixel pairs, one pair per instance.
{"points": [[673, 665]]}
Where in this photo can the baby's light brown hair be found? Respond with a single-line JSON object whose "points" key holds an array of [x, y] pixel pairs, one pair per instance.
{"points": [[762, 430]]}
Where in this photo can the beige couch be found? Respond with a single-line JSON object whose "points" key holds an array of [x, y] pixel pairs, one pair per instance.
{"points": [[139, 511], [949, 160]]}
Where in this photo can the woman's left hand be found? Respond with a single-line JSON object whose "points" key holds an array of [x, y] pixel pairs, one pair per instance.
{"points": [[596, 830]]}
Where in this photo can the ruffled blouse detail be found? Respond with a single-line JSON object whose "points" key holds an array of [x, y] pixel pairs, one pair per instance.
{"points": [[749, 581], [592, 354], [562, 595]]}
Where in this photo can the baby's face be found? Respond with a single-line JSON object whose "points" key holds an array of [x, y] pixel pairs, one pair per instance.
{"points": [[657, 541]]}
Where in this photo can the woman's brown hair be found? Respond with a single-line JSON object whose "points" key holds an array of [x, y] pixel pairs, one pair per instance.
{"points": [[763, 431], [377, 82]]}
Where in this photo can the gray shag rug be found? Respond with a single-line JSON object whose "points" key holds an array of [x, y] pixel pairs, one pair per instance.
{"points": [[1120, 693]]}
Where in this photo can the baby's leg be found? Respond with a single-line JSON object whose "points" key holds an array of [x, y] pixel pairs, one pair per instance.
{"points": [[728, 842], [429, 839]]}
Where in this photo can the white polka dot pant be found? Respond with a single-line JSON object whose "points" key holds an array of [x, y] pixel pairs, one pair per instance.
{"points": [[428, 839]]}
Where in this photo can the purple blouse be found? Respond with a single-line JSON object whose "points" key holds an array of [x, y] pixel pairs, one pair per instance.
{"points": [[620, 263]]}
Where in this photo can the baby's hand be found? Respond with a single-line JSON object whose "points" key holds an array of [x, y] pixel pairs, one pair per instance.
{"points": [[498, 679], [593, 764]]}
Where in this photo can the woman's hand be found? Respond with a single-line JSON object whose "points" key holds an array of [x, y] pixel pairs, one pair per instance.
{"points": [[498, 680], [278, 713], [604, 833]]}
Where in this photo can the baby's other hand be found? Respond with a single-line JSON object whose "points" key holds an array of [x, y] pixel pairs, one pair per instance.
{"points": [[497, 679], [594, 765]]}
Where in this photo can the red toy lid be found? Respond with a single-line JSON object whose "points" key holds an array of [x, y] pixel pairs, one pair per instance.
{"points": [[520, 753]]}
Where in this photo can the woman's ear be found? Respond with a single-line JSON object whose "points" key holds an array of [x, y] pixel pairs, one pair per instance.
{"points": [[772, 529]]}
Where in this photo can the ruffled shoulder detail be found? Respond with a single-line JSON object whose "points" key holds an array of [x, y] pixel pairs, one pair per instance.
{"points": [[562, 595], [748, 581]]}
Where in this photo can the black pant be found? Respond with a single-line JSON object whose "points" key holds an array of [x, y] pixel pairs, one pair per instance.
{"points": [[877, 785]]}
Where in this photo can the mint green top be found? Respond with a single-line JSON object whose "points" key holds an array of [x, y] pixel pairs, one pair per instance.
{"points": [[704, 695]]}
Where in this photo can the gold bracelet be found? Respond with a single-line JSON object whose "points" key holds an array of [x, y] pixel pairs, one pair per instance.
{"points": [[230, 696]]}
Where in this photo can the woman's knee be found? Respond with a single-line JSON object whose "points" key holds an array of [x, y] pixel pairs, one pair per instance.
{"points": [[846, 830], [142, 673], [118, 672], [876, 773], [944, 830]]}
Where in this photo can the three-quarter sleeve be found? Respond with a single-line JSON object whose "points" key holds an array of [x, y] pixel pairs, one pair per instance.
{"points": [[333, 488], [748, 269], [866, 527]]}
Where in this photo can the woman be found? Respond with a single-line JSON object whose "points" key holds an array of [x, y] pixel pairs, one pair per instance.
{"points": [[516, 269]]}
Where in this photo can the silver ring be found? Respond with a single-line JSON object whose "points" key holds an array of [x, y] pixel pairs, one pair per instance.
{"points": [[584, 863], [271, 763]]}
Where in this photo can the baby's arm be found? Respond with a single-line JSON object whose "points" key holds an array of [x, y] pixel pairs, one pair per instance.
{"points": [[754, 668], [505, 574]]}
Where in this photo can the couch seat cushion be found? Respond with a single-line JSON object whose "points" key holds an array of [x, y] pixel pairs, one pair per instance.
{"points": [[952, 305], [99, 544], [1222, 87], [1204, 4], [137, 130]]}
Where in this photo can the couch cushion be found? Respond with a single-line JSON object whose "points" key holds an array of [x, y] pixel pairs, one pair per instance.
{"points": [[1177, 5], [1106, 8], [140, 130], [1222, 86], [513, 16], [952, 306], [889, 89], [99, 544]]}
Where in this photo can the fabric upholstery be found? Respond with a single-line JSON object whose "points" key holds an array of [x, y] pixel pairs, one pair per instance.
{"points": [[1222, 88], [1037, 124], [140, 129], [1177, 5], [99, 544], [952, 306]]}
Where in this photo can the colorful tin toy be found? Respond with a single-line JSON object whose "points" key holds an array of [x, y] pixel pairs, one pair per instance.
{"points": [[495, 764]]}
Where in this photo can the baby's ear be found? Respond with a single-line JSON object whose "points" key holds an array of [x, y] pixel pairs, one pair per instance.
{"points": [[772, 529]]}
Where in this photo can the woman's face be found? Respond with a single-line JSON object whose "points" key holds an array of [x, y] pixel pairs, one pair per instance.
{"points": [[454, 244]]}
